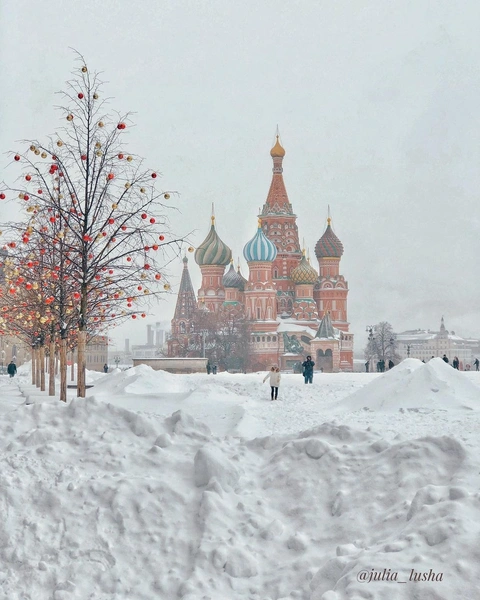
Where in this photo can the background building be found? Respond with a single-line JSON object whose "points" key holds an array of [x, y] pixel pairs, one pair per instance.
{"points": [[423, 344]]}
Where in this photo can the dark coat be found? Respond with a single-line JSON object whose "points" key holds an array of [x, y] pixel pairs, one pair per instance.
{"points": [[12, 369], [308, 367]]}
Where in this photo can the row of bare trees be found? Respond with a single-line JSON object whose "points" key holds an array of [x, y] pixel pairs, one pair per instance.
{"points": [[93, 243]]}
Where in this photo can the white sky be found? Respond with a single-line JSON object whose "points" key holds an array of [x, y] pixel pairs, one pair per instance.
{"points": [[377, 104]]}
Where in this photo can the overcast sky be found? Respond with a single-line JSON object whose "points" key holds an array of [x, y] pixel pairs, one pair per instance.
{"points": [[377, 104]]}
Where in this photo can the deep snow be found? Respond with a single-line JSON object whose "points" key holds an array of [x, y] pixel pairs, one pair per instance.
{"points": [[199, 487]]}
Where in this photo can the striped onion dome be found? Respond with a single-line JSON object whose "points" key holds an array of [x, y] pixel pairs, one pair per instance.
{"points": [[304, 273], [234, 279], [329, 246], [212, 251], [260, 248]]}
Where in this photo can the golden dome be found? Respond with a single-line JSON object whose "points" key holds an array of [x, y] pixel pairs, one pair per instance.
{"points": [[277, 150]]}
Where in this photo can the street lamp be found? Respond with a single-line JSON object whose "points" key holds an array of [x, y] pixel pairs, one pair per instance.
{"points": [[371, 340], [408, 351]]}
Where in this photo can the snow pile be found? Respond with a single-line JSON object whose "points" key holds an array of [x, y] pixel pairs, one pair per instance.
{"points": [[98, 501], [415, 386], [141, 380]]}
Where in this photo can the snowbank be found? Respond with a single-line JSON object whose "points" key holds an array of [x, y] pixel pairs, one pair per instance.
{"points": [[415, 386], [102, 502]]}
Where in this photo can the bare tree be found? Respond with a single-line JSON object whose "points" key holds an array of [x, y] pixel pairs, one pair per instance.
{"points": [[382, 343], [103, 215]]}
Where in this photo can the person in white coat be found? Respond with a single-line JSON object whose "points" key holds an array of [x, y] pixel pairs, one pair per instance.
{"points": [[275, 376]]}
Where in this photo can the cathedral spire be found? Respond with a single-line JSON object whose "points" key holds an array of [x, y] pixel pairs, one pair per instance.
{"points": [[277, 199], [186, 302]]}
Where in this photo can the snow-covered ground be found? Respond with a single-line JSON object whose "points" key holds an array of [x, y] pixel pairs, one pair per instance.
{"points": [[198, 487]]}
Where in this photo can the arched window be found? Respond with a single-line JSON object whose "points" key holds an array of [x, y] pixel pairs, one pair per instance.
{"points": [[182, 327]]}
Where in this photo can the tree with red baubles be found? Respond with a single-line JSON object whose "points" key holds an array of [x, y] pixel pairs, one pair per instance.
{"points": [[108, 210]]}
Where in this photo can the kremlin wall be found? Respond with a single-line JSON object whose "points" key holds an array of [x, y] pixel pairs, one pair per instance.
{"points": [[293, 309]]}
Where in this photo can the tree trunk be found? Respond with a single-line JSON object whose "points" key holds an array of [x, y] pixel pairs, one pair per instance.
{"points": [[37, 367], [42, 368], [51, 369], [63, 369], [34, 380], [81, 363]]}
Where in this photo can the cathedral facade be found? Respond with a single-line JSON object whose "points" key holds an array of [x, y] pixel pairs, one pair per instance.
{"points": [[292, 309]]}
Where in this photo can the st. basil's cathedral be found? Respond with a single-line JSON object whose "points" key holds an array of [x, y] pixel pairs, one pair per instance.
{"points": [[292, 309]]}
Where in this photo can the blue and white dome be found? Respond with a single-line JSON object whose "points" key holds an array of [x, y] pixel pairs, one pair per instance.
{"points": [[260, 248]]}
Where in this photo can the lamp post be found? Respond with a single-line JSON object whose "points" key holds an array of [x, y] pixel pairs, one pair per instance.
{"points": [[408, 351], [371, 344]]}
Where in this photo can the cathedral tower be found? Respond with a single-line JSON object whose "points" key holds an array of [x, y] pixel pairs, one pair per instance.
{"points": [[279, 224], [183, 319], [212, 256]]}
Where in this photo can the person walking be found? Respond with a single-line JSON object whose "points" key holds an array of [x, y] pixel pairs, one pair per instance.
{"points": [[308, 369], [367, 366], [12, 369], [391, 364], [455, 362], [445, 358], [275, 376], [476, 362], [105, 368], [214, 369], [209, 368]]}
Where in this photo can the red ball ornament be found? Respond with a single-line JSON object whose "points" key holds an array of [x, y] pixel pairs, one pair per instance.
{"points": [[154, 247], [80, 95], [76, 295], [139, 288], [146, 248], [26, 197], [143, 315], [110, 176], [2, 196], [152, 220], [39, 191], [144, 215], [17, 157], [84, 157], [154, 175], [111, 221], [120, 156], [52, 219], [129, 259], [146, 267], [134, 316], [110, 271], [121, 126], [124, 228], [28, 177], [158, 276], [161, 237]]}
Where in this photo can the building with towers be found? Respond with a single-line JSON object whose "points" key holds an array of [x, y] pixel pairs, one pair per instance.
{"points": [[292, 308]]}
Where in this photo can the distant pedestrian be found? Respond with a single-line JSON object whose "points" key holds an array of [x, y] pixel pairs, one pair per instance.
{"points": [[445, 358], [275, 377], [391, 364], [12, 369], [308, 369], [105, 368], [209, 368], [214, 369], [367, 366], [476, 362], [455, 362]]}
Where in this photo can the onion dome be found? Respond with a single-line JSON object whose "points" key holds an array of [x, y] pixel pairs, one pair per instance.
{"points": [[278, 150], [234, 279], [329, 246], [304, 273], [260, 248], [212, 251]]}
